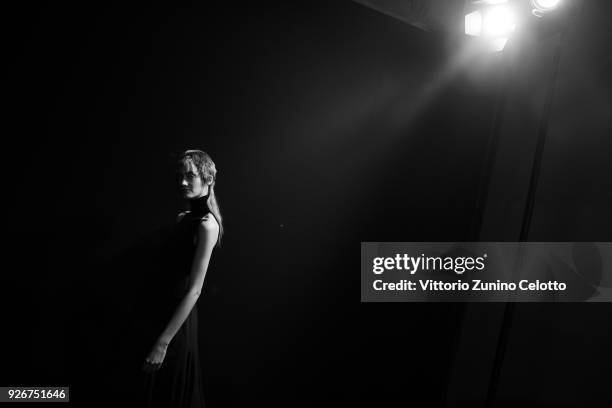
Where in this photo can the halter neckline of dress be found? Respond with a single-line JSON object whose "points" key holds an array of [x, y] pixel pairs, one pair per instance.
{"points": [[198, 207]]}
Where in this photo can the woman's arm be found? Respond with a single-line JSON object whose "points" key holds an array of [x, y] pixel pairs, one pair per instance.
{"points": [[207, 236]]}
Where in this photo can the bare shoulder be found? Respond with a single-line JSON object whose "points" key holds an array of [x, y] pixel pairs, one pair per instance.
{"points": [[209, 224]]}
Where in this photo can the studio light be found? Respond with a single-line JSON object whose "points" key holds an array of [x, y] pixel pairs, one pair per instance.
{"points": [[498, 22], [541, 7], [494, 22]]}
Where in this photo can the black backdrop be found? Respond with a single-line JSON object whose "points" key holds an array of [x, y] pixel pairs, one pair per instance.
{"points": [[318, 117]]}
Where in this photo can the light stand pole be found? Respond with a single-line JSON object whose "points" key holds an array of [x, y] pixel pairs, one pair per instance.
{"points": [[509, 308], [482, 193]]}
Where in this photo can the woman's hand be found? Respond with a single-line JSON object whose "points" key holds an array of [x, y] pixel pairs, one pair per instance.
{"points": [[156, 357]]}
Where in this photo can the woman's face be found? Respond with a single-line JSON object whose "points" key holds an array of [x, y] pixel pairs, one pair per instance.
{"points": [[191, 184]]}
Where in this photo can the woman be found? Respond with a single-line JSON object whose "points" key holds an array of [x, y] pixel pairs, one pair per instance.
{"points": [[171, 368]]}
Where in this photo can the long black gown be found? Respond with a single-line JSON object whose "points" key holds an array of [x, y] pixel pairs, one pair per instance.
{"points": [[178, 382]]}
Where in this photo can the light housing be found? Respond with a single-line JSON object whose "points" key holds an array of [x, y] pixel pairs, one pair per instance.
{"points": [[541, 7]]}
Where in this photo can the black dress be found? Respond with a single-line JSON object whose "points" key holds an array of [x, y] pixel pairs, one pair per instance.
{"points": [[178, 382]]}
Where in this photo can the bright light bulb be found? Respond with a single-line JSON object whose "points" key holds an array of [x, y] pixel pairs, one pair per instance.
{"points": [[499, 21]]}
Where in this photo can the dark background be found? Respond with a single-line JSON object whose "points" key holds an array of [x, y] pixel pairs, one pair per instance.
{"points": [[330, 125]]}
